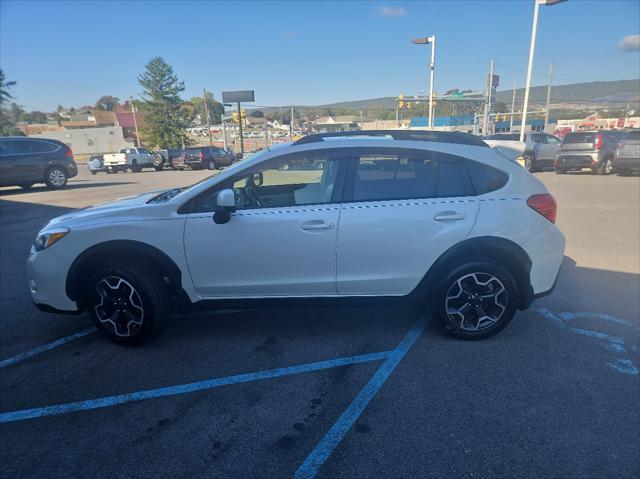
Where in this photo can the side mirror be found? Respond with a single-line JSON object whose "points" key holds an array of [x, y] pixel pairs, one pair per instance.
{"points": [[226, 204]]}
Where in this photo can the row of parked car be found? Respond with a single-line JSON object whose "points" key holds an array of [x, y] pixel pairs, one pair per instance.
{"points": [[135, 159], [602, 151]]}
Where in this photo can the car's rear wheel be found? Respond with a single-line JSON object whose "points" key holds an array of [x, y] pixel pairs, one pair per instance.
{"points": [[129, 304], [55, 177], [477, 299], [528, 164], [211, 165], [134, 167], [605, 167]]}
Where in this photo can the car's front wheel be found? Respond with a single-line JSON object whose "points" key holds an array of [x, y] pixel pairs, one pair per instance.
{"points": [[477, 299], [129, 304], [211, 165]]}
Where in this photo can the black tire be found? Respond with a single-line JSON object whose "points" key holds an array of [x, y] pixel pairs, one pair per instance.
{"points": [[561, 171], [498, 310], [94, 172], [146, 309], [56, 177], [212, 165], [134, 167], [158, 168], [529, 164], [605, 167]]}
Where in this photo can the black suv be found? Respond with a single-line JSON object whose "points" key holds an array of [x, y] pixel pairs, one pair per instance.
{"points": [[210, 157], [25, 161]]}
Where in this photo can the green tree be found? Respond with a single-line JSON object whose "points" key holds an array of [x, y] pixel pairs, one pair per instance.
{"points": [[216, 110], [7, 126], [107, 103], [165, 120]]}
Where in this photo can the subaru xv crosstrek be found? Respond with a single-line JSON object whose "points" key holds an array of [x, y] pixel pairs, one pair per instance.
{"points": [[438, 218]]}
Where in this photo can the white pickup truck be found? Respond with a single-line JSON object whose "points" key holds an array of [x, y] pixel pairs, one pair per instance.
{"points": [[133, 159]]}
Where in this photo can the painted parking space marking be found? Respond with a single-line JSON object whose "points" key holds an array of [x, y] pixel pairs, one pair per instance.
{"points": [[18, 358], [314, 461], [108, 401], [622, 365]]}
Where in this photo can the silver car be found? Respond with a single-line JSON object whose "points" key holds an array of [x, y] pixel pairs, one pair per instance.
{"points": [[627, 157]]}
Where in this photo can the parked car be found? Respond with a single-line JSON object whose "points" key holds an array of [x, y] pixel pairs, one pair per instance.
{"points": [[627, 157], [210, 157], [134, 159], [25, 161], [436, 218], [163, 158], [588, 149], [537, 152], [96, 164]]}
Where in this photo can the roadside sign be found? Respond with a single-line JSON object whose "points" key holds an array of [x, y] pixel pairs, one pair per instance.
{"points": [[237, 96]]}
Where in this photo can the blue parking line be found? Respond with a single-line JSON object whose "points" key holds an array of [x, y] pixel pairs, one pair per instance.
{"points": [[107, 401], [314, 461], [45, 347]]}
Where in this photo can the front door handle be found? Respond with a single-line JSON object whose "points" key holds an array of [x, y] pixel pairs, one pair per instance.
{"points": [[449, 216], [316, 225]]}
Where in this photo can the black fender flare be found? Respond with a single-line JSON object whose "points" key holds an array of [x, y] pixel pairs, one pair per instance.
{"points": [[502, 251], [127, 250]]}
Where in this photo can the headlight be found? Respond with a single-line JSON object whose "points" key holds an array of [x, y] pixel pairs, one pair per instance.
{"points": [[47, 238]]}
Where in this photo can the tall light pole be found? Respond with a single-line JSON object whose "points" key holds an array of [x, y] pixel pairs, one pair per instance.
{"points": [[432, 66], [513, 106], [532, 46], [135, 122]]}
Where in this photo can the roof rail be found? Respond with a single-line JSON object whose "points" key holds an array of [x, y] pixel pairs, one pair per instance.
{"points": [[456, 137]]}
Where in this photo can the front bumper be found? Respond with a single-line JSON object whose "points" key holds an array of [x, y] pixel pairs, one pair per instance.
{"points": [[46, 273]]}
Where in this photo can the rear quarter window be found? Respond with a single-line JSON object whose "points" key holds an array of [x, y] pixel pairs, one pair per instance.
{"points": [[485, 178]]}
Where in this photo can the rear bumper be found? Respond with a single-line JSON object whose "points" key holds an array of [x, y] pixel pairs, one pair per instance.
{"points": [[546, 251], [583, 160]]}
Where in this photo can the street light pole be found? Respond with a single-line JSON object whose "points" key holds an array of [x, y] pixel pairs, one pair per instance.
{"points": [[546, 110], [432, 66], [534, 29], [513, 106]]}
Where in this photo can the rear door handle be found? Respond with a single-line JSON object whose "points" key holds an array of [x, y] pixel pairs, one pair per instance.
{"points": [[316, 225], [449, 216]]}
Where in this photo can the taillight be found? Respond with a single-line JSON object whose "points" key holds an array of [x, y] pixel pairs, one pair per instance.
{"points": [[69, 153], [126, 156], [545, 204], [618, 148], [201, 154], [597, 143]]}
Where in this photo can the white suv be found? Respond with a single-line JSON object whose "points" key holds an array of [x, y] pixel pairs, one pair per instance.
{"points": [[435, 217]]}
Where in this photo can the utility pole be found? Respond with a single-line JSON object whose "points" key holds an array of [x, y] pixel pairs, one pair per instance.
{"points": [[206, 113], [291, 125], [135, 122], [487, 105], [432, 67], [360, 118], [546, 110], [397, 122], [513, 106], [224, 131]]}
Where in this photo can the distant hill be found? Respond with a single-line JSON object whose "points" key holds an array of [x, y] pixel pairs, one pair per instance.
{"points": [[591, 94]]}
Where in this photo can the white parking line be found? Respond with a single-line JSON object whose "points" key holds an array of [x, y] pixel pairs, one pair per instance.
{"points": [[45, 347]]}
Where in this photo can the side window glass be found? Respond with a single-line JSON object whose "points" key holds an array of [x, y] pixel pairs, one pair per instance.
{"points": [[293, 182], [552, 140], [485, 178], [6, 147], [27, 147]]}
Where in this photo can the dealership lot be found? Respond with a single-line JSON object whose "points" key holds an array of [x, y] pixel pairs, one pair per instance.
{"points": [[554, 394]]}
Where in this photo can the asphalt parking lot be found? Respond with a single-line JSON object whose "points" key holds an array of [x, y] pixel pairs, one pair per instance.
{"points": [[332, 392]]}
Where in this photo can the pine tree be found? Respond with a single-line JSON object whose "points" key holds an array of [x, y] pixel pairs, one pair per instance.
{"points": [[165, 121]]}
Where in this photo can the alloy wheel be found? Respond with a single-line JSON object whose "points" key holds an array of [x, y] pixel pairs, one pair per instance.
{"points": [[476, 301], [120, 308], [57, 177]]}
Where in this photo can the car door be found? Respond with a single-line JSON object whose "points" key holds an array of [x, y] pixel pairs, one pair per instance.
{"points": [[552, 147], [31, 159], [8, 163], [401, 210], [281, 241]]}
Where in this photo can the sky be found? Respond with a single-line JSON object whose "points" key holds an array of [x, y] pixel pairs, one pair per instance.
{"points": [[306, 53]]}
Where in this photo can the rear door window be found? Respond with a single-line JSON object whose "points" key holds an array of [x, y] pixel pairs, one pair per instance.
{"points": [[394, 174]]}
